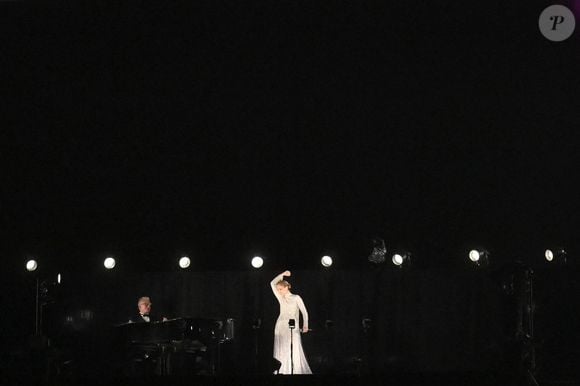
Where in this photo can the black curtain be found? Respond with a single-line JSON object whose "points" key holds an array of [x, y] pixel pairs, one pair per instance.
{"points": [[364, 321]]}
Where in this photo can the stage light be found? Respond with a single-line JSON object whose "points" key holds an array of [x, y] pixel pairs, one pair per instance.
{"points": [[555, 255], [184, 262], [257, 262], [474, 255], [109, 263], [31, 265], [326, 261], [378, 252], [58, 278], [401, 258], [397, 259], [479, 257]]}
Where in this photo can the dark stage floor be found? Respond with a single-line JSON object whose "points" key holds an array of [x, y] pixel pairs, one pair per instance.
{"points": [[403, 379]]}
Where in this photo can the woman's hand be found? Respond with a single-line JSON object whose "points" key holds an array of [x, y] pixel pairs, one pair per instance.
{"points": [[287, 273], [305, 330]]}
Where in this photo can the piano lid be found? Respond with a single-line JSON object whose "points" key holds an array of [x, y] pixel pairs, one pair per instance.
{"points": [[203, 329]]}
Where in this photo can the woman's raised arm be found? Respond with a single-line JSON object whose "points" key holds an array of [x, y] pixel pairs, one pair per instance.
{"points": [[276, 280]]}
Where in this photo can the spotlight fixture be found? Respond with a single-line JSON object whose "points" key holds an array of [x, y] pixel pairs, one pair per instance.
{"points": [[379, 251], [109, 263], [479, 257], [184, 262], [257, 324], [257, 262], [401, 258], [31, 265], [326, 261], [556, 255], [367, 323]]}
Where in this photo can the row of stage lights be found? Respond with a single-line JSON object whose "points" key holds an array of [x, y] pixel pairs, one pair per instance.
{"points": [[183, 262], [479, 257]]}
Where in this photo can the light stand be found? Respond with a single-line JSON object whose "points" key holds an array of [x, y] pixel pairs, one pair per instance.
{"points": [[43, 360], [42, 299], [529, 350], [37, 309], [521, 288], [292, 325], [38, 340], [365, 365], [256, 325]]}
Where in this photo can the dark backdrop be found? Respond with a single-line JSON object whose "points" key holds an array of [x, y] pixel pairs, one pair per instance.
{"points": [[291, 129]]}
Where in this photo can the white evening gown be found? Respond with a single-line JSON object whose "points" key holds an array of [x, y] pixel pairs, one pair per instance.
{"points": [[290, 308]]}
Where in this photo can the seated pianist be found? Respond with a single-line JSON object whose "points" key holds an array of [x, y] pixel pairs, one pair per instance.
{"points": [[145, 315], [152, 344], [144, 354]]}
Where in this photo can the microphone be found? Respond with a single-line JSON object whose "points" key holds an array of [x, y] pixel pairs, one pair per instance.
{"points": [[291, 323]]}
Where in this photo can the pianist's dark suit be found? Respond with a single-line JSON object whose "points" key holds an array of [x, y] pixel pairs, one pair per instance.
{"points": [[153, 317]]}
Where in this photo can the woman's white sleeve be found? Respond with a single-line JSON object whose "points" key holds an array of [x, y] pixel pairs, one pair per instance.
{"points": [[273, 286]]}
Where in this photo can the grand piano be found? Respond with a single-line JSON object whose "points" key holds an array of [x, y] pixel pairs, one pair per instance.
{"points": [[181, 346]]}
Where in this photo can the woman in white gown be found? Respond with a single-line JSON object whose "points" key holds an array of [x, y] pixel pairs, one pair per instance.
{"points": [[291, 306]]}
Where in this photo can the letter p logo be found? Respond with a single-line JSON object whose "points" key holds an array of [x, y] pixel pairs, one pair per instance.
{"points": [[557, 23], [557, 20]]}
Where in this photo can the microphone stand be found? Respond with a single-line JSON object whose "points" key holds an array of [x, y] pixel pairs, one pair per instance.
{"points": [[292, 325]]}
